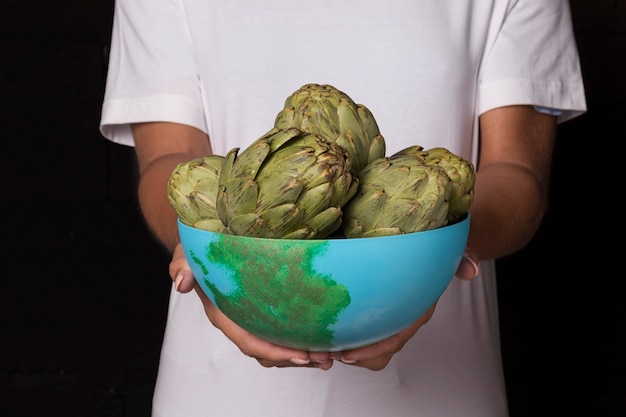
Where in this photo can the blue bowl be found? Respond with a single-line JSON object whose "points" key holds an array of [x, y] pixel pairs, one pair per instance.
{"points": [[329, 294]]}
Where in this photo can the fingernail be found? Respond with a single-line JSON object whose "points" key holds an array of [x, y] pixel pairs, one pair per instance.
{"points": [[299, 361], [179, 278], [348, 361], [474, 265]]}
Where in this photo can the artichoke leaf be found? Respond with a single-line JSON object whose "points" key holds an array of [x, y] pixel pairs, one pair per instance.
{"points": [[276, 191]]}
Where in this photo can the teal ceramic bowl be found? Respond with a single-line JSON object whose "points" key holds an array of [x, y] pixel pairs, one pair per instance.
{"points": [[325, 295]]}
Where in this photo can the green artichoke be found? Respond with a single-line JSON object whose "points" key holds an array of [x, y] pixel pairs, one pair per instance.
{"points": [[397, 195], [192, 191], [321, 167], [460, 171], [323, 109], [287, 184]]}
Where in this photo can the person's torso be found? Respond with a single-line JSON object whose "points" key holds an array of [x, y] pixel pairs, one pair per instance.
{"points": [[413, 64]]}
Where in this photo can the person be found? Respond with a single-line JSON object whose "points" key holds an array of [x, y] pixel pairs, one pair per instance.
{"points": [[488, 79]]}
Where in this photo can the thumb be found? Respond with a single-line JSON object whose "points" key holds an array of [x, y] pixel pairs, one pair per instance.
{"points": [[468, 268], [180, 272]]}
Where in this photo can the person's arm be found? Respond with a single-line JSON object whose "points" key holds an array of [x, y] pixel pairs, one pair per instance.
{"points": [[510, 200], [511, 197], [512, 179], [159, 148]]}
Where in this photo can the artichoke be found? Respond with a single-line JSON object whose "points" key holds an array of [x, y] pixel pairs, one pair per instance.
{"points": [[287, 184], [396, 195], [460, 171], [192, 191], [320, 168], [323, 109]]}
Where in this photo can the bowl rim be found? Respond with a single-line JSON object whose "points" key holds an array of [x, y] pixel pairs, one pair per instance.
{"points": [[465, 220]]}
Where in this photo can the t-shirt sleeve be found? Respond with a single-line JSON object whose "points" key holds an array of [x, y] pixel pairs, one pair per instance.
{"points": [[152, 71], [534, 60]]}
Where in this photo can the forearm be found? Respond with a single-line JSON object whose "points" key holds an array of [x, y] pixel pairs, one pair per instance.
{"points": [[160, 147], [513, 173], [152, 194], [508, 208]]}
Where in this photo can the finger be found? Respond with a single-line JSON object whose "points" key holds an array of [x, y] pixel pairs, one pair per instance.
{"points": [[184, 281], [319, 357], [284, 364], [468, 268], [376, 356], [180, 272], [321, 360], [288, 364], [267, 353]]}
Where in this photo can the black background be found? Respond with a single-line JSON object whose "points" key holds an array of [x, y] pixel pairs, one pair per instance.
{"points": [[84, 287]]}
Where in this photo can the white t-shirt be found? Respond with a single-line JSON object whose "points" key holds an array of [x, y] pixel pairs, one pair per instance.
{"points": [[426, 70]]}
